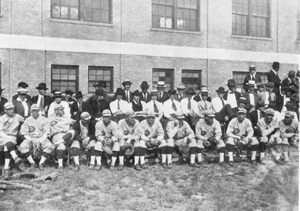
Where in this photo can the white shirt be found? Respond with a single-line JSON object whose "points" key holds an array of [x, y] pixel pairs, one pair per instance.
{"points": [[267, 99], [251, 97], [127, 95], [167, 107], [150, 106], [114, 106], [184, 106], [25, 105], [40, 97], [64, 104], [217, 104], [231, 99]]}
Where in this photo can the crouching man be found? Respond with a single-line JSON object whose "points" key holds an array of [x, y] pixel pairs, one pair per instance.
{"points": [[36, 130], [84, 137], [240, 133], [153, 134], [108, 135], [182, 135], [208, 133], [9, 128], [131, 134], [62, 134], [289, 133], [269, 131]]}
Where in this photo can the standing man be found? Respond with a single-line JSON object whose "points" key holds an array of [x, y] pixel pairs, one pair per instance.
{"points": [[251, 96], [79, 106], [42, 100], [118, 107], [21, 85], [126, 87], [171, 106], [162, 96], [231, 95], [35, 130], [204, 105], [97, 104], [288, 83], [58, 101], [274, 77], [180, 92], [2, 102], [22, 104], [251, 76], [145, 95]]}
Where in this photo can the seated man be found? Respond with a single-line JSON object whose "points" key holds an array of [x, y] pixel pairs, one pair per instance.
{"points": [[208, 133], [153, 135], [190, 108], [240, 133], [84, 136], [269, 133], [289, 133], [9, 128], [61, 133], [118, 106], [204, 105], [180, 133], [108, 135], [57, 96], [171, 105], [35, 130], [131, 134]]}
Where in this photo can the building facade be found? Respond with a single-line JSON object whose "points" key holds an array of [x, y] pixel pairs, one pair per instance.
{"points": [[74, 43]]}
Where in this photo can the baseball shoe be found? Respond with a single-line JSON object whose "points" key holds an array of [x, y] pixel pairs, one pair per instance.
{"points": [[76, 167], [18, 160], [120, 167], [41, 167], [253, 162], [164, 165], [170, 165], [32, 167], [60, 169], [98, 167], [194, 165], [137, 167], [91, 167], [6, 174], [278, 162], [144, 167], [223, 164]]}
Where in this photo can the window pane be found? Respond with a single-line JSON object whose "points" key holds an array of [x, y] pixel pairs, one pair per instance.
{"points": [[105, 4], [96, 4], [96, 16], [55, 11], [104, 16], [74, 13], [74, 2], [65, 2], [61, 76], [88, 15], [97, 74], [88, 4], [64, 12]]}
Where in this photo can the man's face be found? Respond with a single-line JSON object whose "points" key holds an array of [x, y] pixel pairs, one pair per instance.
{"points": [[119, 97], [85, 122], [79, 100], [22, 96], [136, 98], [106, 119], [127, 87], [150, 120], [221, 94], [42, 91], [68, 96], [10, 111], [58, 100], [189, 96], [270, 89], [288, 120], [242, 104], [288, 93], [204, 97], [261, 88], [160, 89], [241, 117], [144, 89], [171, 97], [269, 118], [276, 69], [130, 119], [154, 97], [232, 88], [180, 91], [252, 71], [197, 92], [208, 120], [35, 114], [251, 88]]}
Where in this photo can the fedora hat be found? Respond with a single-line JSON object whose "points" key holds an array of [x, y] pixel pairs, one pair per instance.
{"points": [[126, 82], [181, 86], [190, 91], [69, 91], [23, 84], [270, 84], [171, 92], [41, 86], [160, 84], [78, 95], [100, 84], [231, 82], [220, 90], [57, 94], [291, 73], [119, 91], [144, 84], [290, 105], [260, 104]]}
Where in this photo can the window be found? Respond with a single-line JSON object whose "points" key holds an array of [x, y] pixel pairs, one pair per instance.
{"points": [[298, 21], [97, 74], [240, 76], [250, 18], [175, 14], [191, 78], [166, 75], [64, 77], [84, 10]]}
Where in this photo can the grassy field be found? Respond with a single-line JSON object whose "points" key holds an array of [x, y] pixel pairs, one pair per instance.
{"points": [[243, 187]]}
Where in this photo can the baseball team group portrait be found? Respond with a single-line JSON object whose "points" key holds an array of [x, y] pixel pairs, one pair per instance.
{"points": [[149, 105]]}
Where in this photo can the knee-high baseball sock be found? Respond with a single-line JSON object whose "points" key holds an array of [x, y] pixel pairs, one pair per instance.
{"points": [[136, 160], [169, 158], [93, 159], [98, 159], [163, 158], [30, 159], [221, 157], [60, 162], [253, 155], [13, 154], [286, 156], [6, 160], [43, 159], [76, 160], [142, 160], [262, 155], [230, 154], [199, 157], [193, 156], [121, 160]]}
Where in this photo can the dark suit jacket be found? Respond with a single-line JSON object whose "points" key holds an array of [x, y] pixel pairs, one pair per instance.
{"points": [[252, 116], [91, 130], [276, 80], [47, 100], [75, 109], [246, 95], [131, 96], [94, 108], [14, 98], [237, 95], [198, 98], [286, 84], [148, 97], [176, 97], [247, 78], [164, 97], [19, 109], [3, 101]]}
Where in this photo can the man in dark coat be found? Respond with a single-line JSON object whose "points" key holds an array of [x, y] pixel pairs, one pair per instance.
{"points": [[24, 86], [256, 115], [251, 76], [273, 77], [2, 102], [22, 105], [231, 95], [97, 104], [42, 100], [128, 94], [79, 106], [287, 83], [145, 95], [162, 96]]}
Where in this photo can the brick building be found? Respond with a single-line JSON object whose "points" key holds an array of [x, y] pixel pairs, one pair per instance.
{"points": [[74, 43]]}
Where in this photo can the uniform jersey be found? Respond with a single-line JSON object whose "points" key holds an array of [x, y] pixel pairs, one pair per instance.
{"points": [[59, 124], [130, 130], [292, 128], [241, 129], [109, 131], [267, 129], [203, 129], [66, 106], [181, 132], [10, 125], [154, 131], [35, 128]]}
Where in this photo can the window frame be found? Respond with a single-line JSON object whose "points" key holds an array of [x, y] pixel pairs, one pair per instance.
{"points": [[81, 17], [249, 31], [175, 17], [96, 81], [164, 70], [298, 20], [263, 76], [76, 67], [199, 83]]}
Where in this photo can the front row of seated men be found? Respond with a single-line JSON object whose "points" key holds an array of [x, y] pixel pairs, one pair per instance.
{"points": [[40, 137]]}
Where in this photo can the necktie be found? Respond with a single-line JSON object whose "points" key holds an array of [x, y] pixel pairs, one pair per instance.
{"points": [[80, 107], [230, 92], [128, 98], [42, 104], [155, 107], [223, 104], [205, 105], [189, 105], [252, 77], [118, 104], [174, 106]]}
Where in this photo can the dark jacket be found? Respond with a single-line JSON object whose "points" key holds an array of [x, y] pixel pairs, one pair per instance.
{"points": [[257, 79], [75, 113], [286, 83], [252, 116], [124, 96], [95, 108], [164, 97], [3, 101], [19, 108], [148, 99], [237, 95], [276, 80], [246, 95], [91, 130], [47, 100], [14, 98]]}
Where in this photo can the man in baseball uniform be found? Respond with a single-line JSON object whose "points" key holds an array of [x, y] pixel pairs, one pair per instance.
{"points": [[108, 135], [208, 133], [131, 134], [180, 133], [153, 134], [61, 133], [58, 101], [85, 137], [35, 130], [9, 128], [240, 133]]}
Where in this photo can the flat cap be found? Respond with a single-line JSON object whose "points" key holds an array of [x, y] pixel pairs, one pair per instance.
{"points": [[34, 107], [106, 113], [59, 107], [85, 116], [8, 105]]}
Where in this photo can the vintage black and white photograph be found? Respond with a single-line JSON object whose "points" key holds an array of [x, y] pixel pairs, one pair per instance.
{"points": [[143, 105]]}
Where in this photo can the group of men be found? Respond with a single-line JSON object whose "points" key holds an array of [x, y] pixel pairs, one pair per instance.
{"points": [[124, 126]]}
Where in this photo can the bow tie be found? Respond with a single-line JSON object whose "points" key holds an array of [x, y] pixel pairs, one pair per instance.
{"points": [[231, 92]]}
